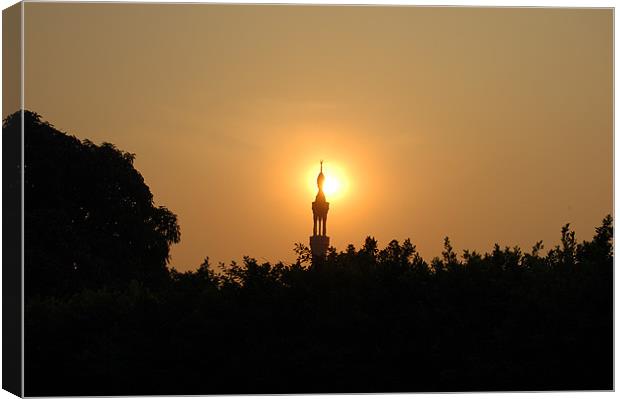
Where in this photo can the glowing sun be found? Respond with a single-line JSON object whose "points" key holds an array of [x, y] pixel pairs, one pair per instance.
{"points": [[331, 186], [335, 183]]}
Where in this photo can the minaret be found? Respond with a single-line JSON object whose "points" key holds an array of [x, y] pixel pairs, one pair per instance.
{"points": [[319, 241]]}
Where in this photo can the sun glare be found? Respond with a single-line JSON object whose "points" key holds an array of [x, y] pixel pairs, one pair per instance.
{"points": [[331, 185], [335, 184]]}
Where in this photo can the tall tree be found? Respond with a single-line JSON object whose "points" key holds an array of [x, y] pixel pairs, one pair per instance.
{"points": [[90, 219]]}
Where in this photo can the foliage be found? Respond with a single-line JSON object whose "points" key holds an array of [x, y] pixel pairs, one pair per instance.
{"points": [[368, 320], [89, 217], [104, 316]]}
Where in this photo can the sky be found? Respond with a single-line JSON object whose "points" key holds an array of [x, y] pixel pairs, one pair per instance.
{"points": [[487, 125]]}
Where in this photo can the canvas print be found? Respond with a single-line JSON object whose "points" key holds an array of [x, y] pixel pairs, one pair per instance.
{"points": [[282, 199]]}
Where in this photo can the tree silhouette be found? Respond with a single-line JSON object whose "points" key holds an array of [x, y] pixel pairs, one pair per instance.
{"points": [[89, 217], [104, 316]]}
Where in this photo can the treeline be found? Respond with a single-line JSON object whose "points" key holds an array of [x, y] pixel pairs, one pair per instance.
{"points": [[365, 320], [362, 320]]}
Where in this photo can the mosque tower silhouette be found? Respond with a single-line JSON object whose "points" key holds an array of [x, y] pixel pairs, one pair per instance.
{"points": [[319, 241]]}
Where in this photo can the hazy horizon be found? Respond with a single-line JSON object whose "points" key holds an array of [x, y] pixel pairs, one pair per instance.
{"points": [[482, 124]]}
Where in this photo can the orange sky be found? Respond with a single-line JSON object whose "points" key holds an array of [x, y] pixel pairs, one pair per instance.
{"points": [[486, 125]]}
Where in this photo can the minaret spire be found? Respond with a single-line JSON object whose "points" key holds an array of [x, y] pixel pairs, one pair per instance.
{"points": [[319, 241]]}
